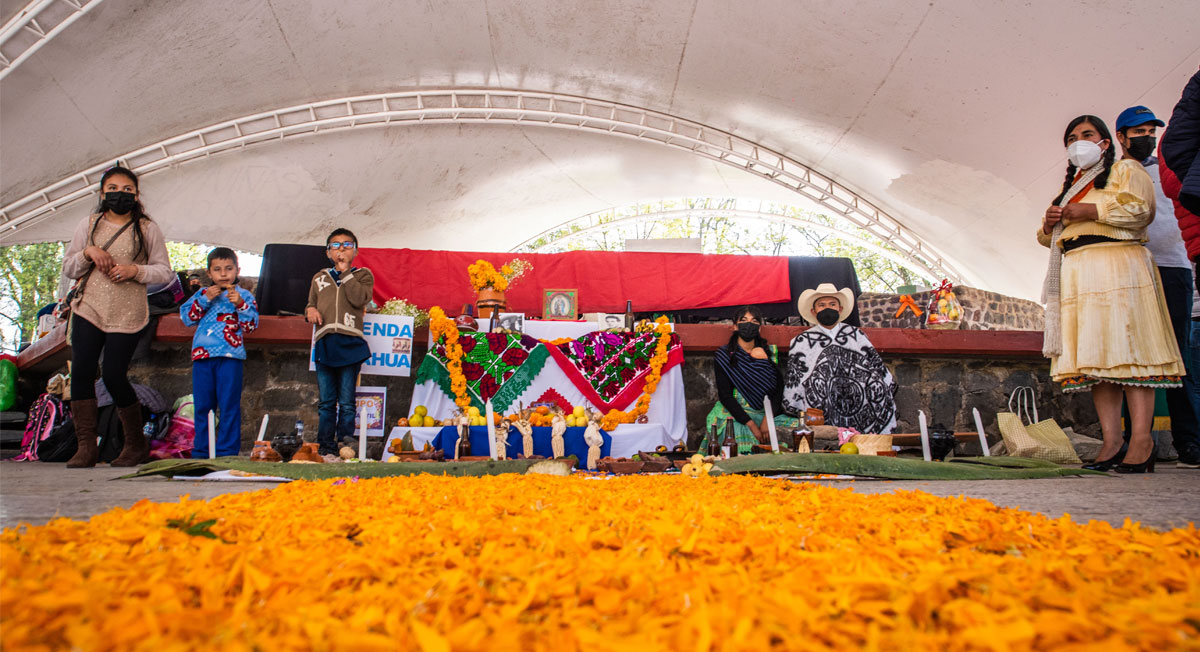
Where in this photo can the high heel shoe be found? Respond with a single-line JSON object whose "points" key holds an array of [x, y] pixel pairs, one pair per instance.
{"points": [[1144, 467], [1104, 465]]}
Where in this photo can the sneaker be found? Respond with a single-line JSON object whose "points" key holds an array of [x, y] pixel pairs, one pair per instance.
{"points": [[1189, 459]]}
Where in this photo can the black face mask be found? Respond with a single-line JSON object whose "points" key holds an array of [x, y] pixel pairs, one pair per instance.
{"points": [[748, 331], [120, 203], [828, 317], [1141, 147]]}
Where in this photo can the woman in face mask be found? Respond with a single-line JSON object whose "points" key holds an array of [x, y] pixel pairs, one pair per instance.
{"points": [[833, 367], [115, 253], [747, 370], [1107, 327]]}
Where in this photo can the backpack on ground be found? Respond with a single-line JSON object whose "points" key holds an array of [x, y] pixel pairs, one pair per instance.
{"points": [[62, 443], [178, 439], [47, 414]]}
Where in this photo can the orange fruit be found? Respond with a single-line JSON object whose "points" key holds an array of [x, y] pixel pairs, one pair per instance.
{"points": [[542, 409]]}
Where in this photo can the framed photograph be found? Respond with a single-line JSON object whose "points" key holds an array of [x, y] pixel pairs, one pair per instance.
{"points": [[560, 304], [513, 321], [606, 321]]}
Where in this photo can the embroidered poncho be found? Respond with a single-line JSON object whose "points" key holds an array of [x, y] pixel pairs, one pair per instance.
{"points": [[839, 372]]}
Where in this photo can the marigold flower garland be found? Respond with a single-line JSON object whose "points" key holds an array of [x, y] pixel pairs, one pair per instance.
{"points": [[568, 564], [441, 326], [616, 417]]}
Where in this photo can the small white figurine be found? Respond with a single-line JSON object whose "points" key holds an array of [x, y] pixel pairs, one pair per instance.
{"points": [[591, 435], [558, 426]]}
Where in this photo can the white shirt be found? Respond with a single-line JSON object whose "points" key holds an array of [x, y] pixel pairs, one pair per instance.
{"points": [[1165, 242]]}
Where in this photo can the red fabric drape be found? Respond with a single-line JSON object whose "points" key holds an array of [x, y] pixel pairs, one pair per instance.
{"points": [[605, 280]]}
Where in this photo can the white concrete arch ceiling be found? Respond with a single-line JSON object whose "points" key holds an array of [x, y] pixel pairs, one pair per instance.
{"points": [[945, 115]]}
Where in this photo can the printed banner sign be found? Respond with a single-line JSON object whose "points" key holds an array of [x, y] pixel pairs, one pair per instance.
{"points": [[390, 338]]}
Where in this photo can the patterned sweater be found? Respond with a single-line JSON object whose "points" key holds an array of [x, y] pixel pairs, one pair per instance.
{"points": [[220, 326]]}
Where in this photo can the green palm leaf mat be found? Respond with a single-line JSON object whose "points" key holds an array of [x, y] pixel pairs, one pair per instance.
{"points": [[171, 468], [896, 468], [890, 468]]}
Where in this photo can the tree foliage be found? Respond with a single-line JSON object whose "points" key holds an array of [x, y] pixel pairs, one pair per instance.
{"points": [[28, 280], [185, 255]]}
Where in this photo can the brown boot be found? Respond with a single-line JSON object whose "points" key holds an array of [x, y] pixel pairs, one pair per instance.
{"points": [[136, 449], [83, 413]]}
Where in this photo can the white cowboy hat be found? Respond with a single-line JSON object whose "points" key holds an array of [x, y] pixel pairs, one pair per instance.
{"points": [[845, 297]]}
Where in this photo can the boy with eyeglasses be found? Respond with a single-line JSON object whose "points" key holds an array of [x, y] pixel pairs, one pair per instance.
{"points": [[336, 300]]}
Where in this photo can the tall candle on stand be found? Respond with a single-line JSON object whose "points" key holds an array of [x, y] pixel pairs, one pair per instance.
{"points": [[982, 437], [362, 433], [924, 436], [771, 423], [212, 434], [491, 429], [262, 430]]}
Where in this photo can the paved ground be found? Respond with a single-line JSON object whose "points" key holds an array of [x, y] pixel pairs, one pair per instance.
{"points": [[36, 492]]}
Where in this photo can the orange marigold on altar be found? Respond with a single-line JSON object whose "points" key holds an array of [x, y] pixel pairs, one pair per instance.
{"points": [[441, 326], [616, 417]]}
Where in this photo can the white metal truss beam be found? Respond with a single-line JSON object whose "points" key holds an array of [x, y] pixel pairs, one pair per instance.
{"points": [[34, 26], [604, 220], [488, 106]]}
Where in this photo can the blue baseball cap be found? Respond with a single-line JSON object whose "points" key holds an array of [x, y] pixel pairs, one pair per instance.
{"points": [[1137, 115]]}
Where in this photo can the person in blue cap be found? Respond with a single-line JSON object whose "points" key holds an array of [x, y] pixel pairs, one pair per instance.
{"points": [[1137, 132]]}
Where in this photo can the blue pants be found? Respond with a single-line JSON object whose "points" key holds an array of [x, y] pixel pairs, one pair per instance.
{"points": [[217, 384], [335, 408]]}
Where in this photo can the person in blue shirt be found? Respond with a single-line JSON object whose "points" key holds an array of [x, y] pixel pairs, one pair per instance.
{"points": [[223, 314]]}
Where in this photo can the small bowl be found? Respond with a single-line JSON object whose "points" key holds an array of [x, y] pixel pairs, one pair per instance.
{"points": [[625, 468], [656, 465]]}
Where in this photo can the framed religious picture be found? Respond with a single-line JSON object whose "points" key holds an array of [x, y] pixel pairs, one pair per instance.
{"points": [[560, 304]]}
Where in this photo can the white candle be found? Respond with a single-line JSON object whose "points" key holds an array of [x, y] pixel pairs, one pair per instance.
{"points": [[491, 429], [262, 430], [362, 433], [212, 435], [924, 436], [982, 437], [771, 423]]}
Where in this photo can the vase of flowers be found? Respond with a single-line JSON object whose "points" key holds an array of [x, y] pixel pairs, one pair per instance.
{"points": [[490, 284]]}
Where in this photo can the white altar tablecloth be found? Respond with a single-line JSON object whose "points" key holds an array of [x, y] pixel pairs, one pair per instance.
{"points": [[668, 408], [627, 440]]}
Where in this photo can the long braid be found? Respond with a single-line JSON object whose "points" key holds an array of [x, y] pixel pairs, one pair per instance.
{"points": [[1107, 160], [1071, 170]]}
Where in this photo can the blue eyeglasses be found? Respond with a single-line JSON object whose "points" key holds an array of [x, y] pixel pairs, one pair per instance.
{"points": [[341, 245]]}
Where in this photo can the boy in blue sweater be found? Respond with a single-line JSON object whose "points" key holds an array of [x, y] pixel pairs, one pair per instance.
{"points": [[223, 314]]}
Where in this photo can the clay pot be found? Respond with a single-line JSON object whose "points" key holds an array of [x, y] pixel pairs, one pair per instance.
{"points": [[286, 445], [941, 443], [814, 417], [490, 302]]}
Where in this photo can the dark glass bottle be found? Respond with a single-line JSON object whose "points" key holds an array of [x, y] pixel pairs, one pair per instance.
{"points": [[629, 316], [714, 441], [464, 443], [730, 444]]}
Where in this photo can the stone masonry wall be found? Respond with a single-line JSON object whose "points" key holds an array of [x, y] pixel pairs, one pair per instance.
{"points": [[277, 380], [982, 310]]}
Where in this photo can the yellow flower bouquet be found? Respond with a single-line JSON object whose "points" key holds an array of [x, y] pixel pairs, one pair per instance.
{"points": [[485, 275]]}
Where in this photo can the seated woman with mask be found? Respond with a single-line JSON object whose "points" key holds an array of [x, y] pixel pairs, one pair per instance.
{"points": [[747, 370], [833, 367]]}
